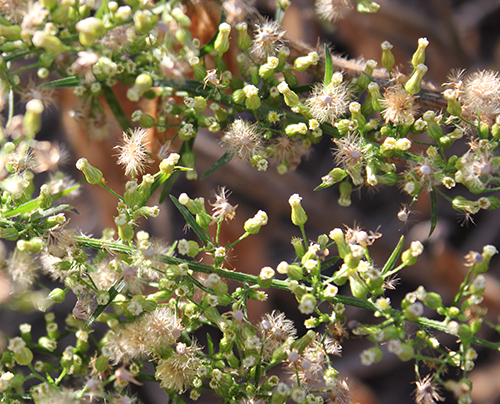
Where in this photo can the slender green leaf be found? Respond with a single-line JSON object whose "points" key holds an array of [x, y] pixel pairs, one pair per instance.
{"points": [[116, 108], [224, 159], [329, 262], [31, 205], [167, 186], [322, 186], [191, 221], [434, 212], [210, 346], [328, 66], [389, 265], [113, 292], [62, 83]]}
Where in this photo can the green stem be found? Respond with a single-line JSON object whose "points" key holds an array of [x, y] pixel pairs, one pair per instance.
{"points": [[110, 190]]}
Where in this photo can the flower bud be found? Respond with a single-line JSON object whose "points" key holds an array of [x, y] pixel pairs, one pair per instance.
{"points": [[299, 216], [253, 225], [244, 40], [419, 55], [302, 63], [32, 121], [92, 174], [365, 77], [345, 189], [252, 100], [291, 99], [415, 81], [303, 342], [90, 29], [23, 356], [167, 165], [222, 41], [144, 21], [388, 60], [44, 200], [50, 43], [57, 295]]}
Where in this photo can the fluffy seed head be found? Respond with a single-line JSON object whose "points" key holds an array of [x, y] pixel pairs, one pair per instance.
{"points": [[328, 102], [243, 139], [399, 105], [132, 152], [333, 10]]}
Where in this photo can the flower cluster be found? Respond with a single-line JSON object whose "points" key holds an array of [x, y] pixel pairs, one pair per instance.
{"points": [[150, 301]]}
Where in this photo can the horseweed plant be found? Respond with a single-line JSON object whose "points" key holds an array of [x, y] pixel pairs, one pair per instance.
{"points": [[152, 298]]}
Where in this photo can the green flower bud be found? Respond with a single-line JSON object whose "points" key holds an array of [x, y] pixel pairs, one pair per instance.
{"points": [[195, 206], [298, 247], [144, 21], [32, 122], [407, 352], [419, 55], [12, 32], [267, 70], [365, 77], [359, 288], [433, 300], [303, 342], [345, 189], [222, 40], [9, 233], [244, 40], [453, 108], [57, 295], [239, 96], [434, 130], [299, 216], [388, 60], [415, 81], [23, 356], [180, 17], [294, 272], [125, 230], [167, 165], [90, 29], [302, 63], [199, 70], [291, 99], [50, 43], [101, 363], [92, 174], [44, 200], [337, 235], [252, 100], [253, 225]]}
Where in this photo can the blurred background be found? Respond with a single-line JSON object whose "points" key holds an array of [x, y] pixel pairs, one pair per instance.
{"points": [[463, 34]]}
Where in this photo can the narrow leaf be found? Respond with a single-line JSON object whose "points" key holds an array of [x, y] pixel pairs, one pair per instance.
{"points": [[224, 159], [167, 186], [31, 205], [62, 83], [434, 213], [328, 66], [191, 221], [210, 346], [113, 292], [329, 262], [389, 265], [116, 108]]}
